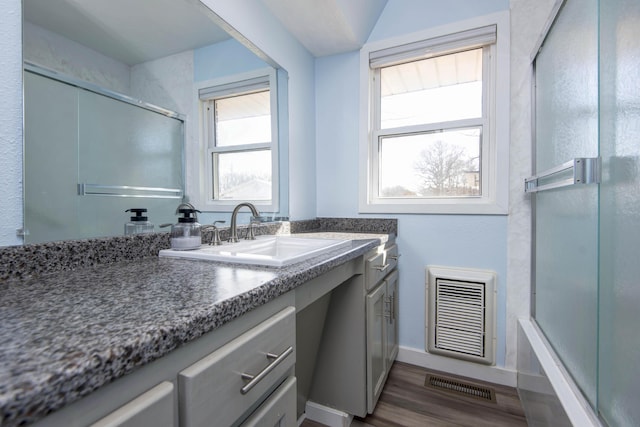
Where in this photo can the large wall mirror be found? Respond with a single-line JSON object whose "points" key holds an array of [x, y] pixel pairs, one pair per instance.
{"points": [[112, 116]]}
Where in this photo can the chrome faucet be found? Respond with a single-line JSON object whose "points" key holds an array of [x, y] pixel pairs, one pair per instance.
{"points": [[233, 238]]}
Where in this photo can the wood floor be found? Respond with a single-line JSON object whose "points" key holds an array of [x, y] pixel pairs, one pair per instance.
{"points": [[406, 402]]}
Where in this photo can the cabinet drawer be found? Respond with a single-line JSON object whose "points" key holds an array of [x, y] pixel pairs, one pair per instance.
{"points": [[375, 270], [217, 390], [391, 257], [279, 410], [379, 265], [151, 409]]}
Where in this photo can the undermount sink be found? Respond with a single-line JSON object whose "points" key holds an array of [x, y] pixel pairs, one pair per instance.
{"points": [[277, 251]]}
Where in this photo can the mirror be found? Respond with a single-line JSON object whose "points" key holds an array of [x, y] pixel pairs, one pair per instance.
{"points": [[156, 52]]}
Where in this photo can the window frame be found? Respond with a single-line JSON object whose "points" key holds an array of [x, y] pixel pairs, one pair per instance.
{"points": [[244, 83], [494, 123]]}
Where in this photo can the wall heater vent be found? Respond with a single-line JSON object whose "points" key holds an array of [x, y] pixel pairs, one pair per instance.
{"points": [[460, 317]]}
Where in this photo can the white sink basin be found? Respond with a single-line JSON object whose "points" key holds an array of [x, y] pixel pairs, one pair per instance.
{"points": [[275, 251]]}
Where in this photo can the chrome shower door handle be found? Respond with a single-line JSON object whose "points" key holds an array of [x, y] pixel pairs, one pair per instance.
{"points": [[584, 170]]}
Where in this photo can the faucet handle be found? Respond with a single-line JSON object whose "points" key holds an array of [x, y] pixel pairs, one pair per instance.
{"points": [[251, 235], [215, 238]]}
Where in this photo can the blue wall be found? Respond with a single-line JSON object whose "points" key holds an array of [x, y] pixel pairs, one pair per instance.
{"points": [[472, 241], [207, 63]]}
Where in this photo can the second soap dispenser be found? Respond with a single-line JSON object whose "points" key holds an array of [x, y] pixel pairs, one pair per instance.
{"points": [[139, 224], [186, 234]]}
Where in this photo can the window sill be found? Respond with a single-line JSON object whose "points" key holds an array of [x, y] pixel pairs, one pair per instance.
{"points": [[228, 206], [436, 207]]}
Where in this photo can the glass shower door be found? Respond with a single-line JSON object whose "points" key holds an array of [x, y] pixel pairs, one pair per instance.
{"points": [[123, 145], [587, 238], [619, 335], [566, 219]]}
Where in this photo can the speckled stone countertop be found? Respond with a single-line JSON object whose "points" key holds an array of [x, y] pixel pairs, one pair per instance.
{"points": [[66, 333]]}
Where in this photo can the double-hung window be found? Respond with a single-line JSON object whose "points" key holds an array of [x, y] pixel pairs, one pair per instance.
{"points": [[240, 130], [433, 138]]}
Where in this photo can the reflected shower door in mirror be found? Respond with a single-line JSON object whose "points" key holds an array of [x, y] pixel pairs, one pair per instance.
{"points": [[156, 53], [89, 157]]}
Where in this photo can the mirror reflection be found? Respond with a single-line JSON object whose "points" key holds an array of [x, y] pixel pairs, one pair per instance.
{"points": [[111, 111], [117, 155]]}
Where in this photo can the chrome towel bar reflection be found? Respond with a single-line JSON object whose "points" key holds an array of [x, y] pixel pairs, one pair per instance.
{"points": [[129, 191], [583, 170]]}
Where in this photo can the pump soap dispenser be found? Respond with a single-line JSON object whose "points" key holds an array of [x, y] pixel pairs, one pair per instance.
{"points": [[186, 234], [139, 224]]}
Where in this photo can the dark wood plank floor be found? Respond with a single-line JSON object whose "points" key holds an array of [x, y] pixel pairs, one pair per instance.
{"points": [[406, 402]]}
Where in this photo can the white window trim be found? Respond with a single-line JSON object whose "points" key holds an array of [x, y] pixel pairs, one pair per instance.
{"points": [[205, 182], [494, 199]]}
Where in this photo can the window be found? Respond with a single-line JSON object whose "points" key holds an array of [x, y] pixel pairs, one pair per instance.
{"points": [[434, 141], [240, 129]]}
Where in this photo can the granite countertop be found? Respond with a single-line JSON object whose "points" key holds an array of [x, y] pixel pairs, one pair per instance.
{"points": [[65, 334]]}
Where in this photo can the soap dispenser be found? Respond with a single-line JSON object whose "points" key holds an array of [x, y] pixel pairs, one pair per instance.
{"points": [[139, 224], [186, 234]]}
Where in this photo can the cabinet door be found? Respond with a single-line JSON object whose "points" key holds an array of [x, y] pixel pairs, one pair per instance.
{"points": [[376, 352], [279, 410], [152, 409], [392, 318]]}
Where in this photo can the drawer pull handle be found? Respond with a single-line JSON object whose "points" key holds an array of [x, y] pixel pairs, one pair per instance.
{"points": [[381, 267], [391, 314], [394, 257], [255, 379], [392, 307]]}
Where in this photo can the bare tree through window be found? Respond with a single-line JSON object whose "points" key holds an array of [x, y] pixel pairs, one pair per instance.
{"points": [[447, 170], [431, 165], [440, 168]]}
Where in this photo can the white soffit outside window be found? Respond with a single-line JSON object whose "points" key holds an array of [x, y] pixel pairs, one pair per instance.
{"points": [[440, 72], [477, 32]]}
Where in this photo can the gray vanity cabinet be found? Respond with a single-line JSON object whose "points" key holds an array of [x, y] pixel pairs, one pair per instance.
{"points": [[202, 382], [381, 314], [243, 373], [360, 337], [228, 385]]}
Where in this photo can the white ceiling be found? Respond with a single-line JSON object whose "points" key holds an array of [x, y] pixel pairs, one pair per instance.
{"points": [[142, 30]]}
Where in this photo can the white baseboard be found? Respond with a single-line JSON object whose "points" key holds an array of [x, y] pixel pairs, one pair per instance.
{"points": [[492, 374], [327, 416]]}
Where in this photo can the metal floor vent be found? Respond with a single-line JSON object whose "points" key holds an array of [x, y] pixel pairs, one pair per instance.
{"points": [[458, 387]]}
